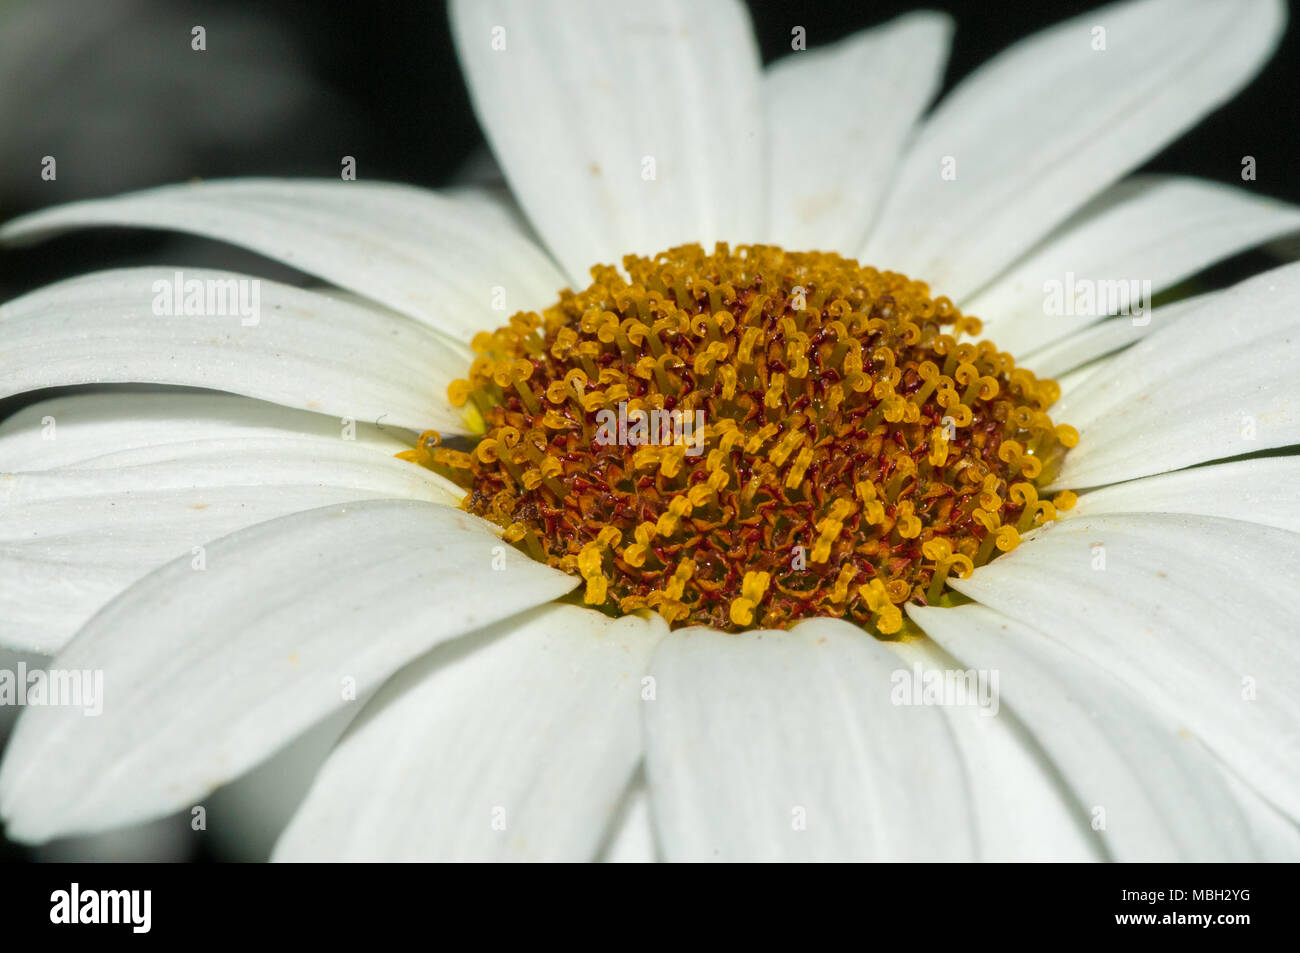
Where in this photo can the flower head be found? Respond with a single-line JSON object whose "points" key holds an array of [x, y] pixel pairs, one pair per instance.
{"points": [[568, 643]]}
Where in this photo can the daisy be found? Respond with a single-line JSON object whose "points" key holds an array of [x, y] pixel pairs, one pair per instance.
{"points": [[736, 647]]}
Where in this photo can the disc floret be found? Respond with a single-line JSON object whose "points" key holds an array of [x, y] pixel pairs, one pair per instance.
{"points": [[849, 446]]}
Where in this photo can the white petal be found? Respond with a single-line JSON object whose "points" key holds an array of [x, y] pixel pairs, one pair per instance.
{"points": [[514, 745], [1218, 382], [837, 120], [430, 257], [72, 538], [77, 428], [1046, 125], [1104, 337], [497, 202], [1276, 838], [247, 816], [1261, 490], [9, 661], [304, 350], [786, 745], [1145, 792], [232, 461], [206, 674], [1020, 809], [1193, 613], [190, 468], [1134, 240], [622, 125], [632, 841], [1071, 380]]}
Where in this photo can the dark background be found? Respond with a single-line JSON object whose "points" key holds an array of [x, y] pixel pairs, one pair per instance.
{"points": [[381, 83], [112, 89]]}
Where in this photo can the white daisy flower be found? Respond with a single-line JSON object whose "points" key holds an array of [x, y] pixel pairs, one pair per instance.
{"points": [[783, 635]]}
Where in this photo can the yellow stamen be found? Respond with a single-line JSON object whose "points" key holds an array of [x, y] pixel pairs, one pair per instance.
{"points": [[848, 450]]}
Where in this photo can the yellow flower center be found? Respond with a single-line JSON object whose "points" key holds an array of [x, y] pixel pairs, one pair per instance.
{"points": [[752, 437]]}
